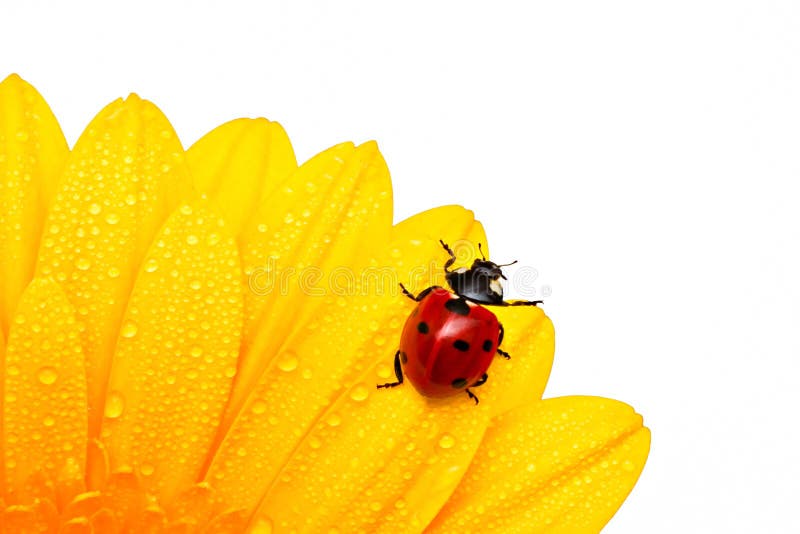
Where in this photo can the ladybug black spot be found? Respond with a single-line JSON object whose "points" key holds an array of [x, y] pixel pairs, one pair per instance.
{"points": [[487, 345], [403, 357], [458, 306], [459, 383], [422, 327], [461, 345]]}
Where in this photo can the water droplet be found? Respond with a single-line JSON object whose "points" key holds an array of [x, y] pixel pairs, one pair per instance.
{"points": [[359, 393], [262, 228], [447, 441], [83, 264], [262, 525], [129, 329], [375, 506], [196, 351], [147, 469], [113, 272], [47, 375], [112, 218], [627, 465], [151, 265], [19, 319], [94, 209], [289, 218], [334, 420], [241, 451], [192, 239], [186, 209], [287, 361], [49, 420], [22, 136], [259, 407], [400, 504], [115, 404], [12, 370]]}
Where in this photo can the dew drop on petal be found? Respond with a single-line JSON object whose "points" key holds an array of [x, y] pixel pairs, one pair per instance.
{"points": [[359, 393], [287, 361], [447, 441], [334, 420], [259, 407], [147, 469], [94, 209], [262, 525], [112, 218], [151, 265], [192, 239], [129, 329], [47, 375], [49, 420], [83, 264], [314, 443], [115, 404], [113, 272]]}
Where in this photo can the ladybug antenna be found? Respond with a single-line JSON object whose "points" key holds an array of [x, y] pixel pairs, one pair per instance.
{"points": [[481, 251]]}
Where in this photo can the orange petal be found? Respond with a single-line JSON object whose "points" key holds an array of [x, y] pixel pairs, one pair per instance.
{"points": [[32, 155], [44, 414], [237, 163], [125, 175], [40, 516], [319, 384], [559, 465], [176, 355], [325, 219]]}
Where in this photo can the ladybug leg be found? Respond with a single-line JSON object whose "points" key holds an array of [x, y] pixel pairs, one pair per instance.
{"points": [[398, 372], [481, 381], [521, 303], [501, 352], [452, 259], [422, 295]]}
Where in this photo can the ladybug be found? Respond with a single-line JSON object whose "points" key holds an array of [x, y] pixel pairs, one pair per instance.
{"points": [[450, 339]]}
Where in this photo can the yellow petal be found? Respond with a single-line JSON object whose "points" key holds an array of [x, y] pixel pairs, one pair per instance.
{"points": [[320, 400], [325, 219], [530, 341], [560, 465], [44, 414], [125, 175], [237, 163], [176, 354], [32, 155]]}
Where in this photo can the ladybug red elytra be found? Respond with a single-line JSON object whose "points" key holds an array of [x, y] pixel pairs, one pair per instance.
{"points": [[450, 339]]}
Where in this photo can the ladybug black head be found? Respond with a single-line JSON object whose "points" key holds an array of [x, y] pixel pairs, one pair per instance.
{"points": [[480, 283]]}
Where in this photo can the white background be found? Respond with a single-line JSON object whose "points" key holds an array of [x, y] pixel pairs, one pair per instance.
{"points": [[642, 156]]}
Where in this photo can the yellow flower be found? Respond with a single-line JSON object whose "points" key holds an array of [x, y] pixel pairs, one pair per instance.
{"points": [[191, 341]]}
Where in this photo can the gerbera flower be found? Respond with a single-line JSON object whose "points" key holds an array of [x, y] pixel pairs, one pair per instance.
{"points": [[191, 342]]}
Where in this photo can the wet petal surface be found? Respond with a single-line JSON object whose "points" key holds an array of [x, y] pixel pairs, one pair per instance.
{"points": [[238, 163], [176, 355], [308, 235], [32, 154], [560, 465], [44, 413], [123, 178]]}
